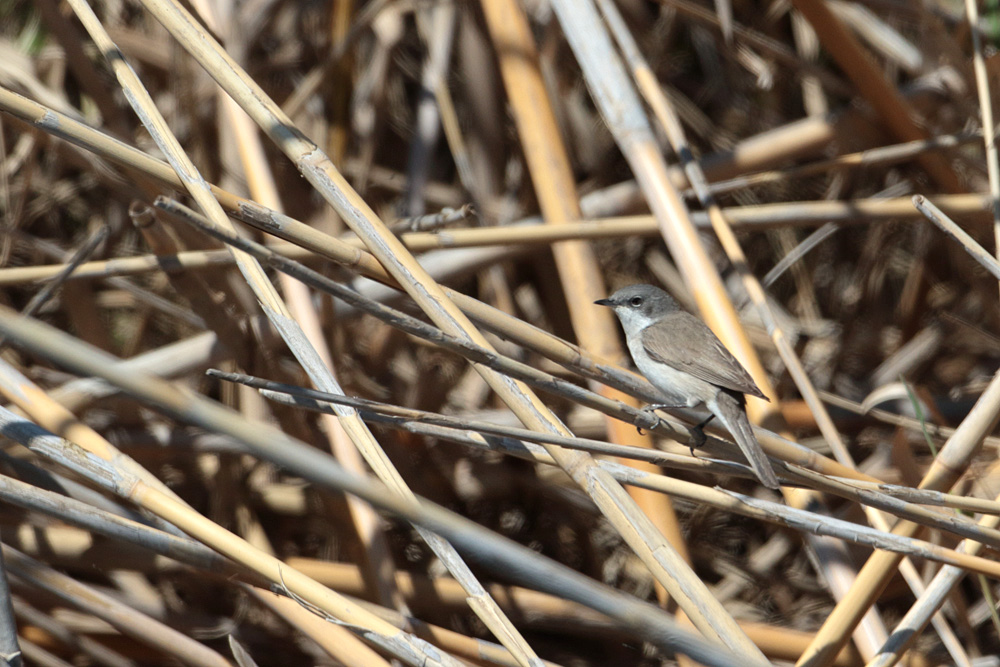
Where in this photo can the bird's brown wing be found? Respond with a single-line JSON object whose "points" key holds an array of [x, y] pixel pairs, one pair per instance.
{"points": [[682, 341]]}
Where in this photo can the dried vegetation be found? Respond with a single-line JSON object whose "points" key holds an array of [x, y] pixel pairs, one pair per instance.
{"points": [[456, 184]]}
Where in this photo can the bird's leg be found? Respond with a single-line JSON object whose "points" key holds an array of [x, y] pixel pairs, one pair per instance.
{"points": [[651, 410], [698, 434]]}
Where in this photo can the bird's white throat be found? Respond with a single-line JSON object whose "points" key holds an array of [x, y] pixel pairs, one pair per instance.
{"points": [[633, 319]]}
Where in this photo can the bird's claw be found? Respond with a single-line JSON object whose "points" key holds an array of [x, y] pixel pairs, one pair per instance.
{"points": [[650, 412], [698, 434], [698, 438]]}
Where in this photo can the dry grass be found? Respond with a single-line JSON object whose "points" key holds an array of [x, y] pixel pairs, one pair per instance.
{"points": [[451, 187]]}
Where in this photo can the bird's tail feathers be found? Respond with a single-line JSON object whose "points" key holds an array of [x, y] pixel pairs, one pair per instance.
{"points": [[734, 417]]}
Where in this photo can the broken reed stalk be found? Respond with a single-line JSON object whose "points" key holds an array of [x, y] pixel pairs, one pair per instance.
{"points": [[486, 357], [968, 206], [811, 134], [291, 330], [821, 525], [324, 177], [304, 460]]}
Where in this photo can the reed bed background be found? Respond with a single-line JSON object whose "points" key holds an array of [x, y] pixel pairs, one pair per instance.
{"points": [[300, 362]]}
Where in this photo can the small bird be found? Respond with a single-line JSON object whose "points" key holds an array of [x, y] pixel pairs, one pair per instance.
{"points": [[682, 358]]}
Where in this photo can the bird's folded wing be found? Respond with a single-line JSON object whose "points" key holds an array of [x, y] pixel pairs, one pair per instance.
{"points": [[684, 342]]}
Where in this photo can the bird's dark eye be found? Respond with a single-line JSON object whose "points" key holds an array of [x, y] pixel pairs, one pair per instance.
{"points": [[635, 301]]}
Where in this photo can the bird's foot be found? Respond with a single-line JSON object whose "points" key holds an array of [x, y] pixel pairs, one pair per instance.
{"points": [[697, 433], [650, 412]]}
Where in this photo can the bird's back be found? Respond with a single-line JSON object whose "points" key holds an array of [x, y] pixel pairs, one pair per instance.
{"points": [[682, 341]]}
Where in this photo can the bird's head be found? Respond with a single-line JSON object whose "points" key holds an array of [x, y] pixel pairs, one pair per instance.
{"points": [[640, 305]]}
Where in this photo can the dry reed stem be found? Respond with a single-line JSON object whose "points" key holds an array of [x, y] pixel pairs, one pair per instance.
{"points": [[634, 526], [10, 651], [944, 471], [59, 632], [270, 301], [986, 109], [972, 207], [35, 403], [342, 432], [339, 642], [131, 487], [808, 522], [579, 271], [675, 132], [884, 98], [297, 339], [859, 305], [124, 618], [311, 464], [926, 606], [399, 417], [515, 329], [949, 227]]}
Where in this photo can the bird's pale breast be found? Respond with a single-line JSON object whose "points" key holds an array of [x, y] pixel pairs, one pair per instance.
{"points": [[680, 388]]}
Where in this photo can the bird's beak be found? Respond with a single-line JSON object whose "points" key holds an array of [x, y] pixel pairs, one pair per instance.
{"points": [[604, 302]]}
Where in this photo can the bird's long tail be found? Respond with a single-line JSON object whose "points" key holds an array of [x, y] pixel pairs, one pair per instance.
{"points": [[730, 411]]}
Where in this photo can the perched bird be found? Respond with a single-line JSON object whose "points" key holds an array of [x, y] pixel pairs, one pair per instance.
{"points": [[682, 358]]}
